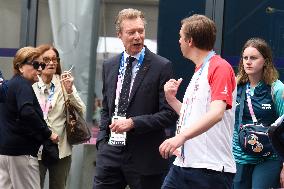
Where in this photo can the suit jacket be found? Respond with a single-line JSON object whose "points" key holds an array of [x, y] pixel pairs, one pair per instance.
{"points": [[23, 128], [56, 114], [147, 107]]}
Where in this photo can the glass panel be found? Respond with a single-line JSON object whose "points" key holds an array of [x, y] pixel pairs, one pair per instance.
{"points": [[170, 15], [245, 19]]}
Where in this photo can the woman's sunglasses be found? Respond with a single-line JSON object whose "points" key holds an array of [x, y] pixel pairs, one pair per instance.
{"points": [[36, 64]]}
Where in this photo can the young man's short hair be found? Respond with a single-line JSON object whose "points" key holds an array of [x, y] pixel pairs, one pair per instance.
{"points": [[201, 29]]}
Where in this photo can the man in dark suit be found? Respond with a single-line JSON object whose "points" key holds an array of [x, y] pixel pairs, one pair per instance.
{"points": [[135, 112]]}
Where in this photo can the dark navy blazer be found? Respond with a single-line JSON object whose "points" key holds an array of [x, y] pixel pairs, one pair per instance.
{"points": [[147, 107]]}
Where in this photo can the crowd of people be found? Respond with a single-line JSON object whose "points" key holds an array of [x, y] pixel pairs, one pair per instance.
{"points": [[139, 103]]}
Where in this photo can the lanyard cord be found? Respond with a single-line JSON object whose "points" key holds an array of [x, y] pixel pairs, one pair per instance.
{"points": [[122, 66], [188, 106], [121, 74], [250, 104], [45, 106]]}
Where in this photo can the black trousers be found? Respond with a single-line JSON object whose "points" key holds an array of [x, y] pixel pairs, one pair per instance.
{"points": [[115, 170]]}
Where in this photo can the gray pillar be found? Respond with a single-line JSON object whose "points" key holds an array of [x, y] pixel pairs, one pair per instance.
{"points": [[215, 10], [93, 60], [28, 30], [83, 156]]}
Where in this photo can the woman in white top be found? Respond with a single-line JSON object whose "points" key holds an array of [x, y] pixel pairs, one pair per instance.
{"points": [[50, 96]]}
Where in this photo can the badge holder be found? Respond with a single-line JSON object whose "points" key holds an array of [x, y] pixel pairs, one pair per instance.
{"points": [[178, 151], [117, 139]]}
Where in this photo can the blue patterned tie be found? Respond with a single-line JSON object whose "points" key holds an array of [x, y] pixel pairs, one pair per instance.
{"points": [[125, 91]]}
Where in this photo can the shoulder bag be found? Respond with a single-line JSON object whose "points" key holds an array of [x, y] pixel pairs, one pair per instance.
{"points": [[253, 138], [77, 129]]}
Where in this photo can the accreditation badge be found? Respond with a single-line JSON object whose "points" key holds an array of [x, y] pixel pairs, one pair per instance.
{"points": [[117, 139]]}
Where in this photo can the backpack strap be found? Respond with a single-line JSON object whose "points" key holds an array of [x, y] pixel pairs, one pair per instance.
{"points": [[272, 92]]}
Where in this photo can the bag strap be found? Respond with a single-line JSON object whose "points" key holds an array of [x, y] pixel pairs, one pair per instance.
{"points": [[63, 89], [66, 100], [278, 121]]}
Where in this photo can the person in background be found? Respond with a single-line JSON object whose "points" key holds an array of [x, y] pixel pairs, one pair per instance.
{"points": [[3, 87], [49, 93], [134, 111], [204, 132], [258, 74], [23, 128], [97, 112]]}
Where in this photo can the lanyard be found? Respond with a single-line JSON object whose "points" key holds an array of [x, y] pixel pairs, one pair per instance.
{"points": [[45, 106], [122, 65], [187, 106], [250, 104], [121, 73]]}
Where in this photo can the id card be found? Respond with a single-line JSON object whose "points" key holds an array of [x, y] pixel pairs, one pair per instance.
{"points": [[117, 139]]}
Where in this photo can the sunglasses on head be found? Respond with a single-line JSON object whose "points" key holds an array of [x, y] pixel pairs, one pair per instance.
{"points": [[36, 64]]}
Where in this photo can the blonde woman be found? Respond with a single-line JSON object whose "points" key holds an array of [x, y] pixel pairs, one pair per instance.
{"points": [[23, 128]]}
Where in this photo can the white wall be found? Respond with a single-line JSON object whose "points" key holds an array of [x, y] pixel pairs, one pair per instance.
{"points": [[10, 18]]}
